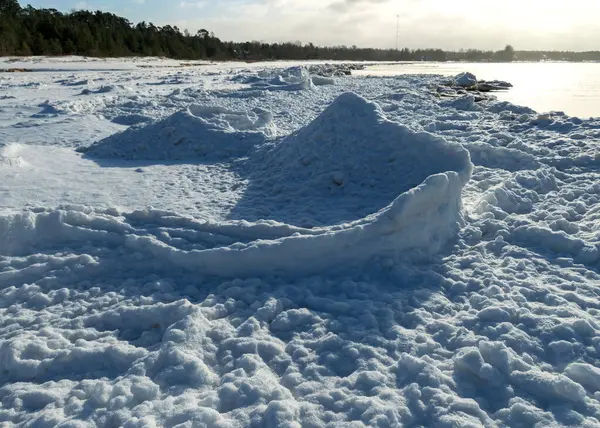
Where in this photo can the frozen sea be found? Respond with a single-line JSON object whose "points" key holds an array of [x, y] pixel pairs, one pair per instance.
{"points": [[253, 245], [573, 88]]}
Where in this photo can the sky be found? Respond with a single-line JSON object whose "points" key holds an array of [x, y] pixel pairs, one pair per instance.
{"points": [[446, 24]]}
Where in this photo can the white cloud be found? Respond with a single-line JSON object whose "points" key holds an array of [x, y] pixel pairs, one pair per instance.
{"points": [[82, 5], [196, 4], [423, 23]]}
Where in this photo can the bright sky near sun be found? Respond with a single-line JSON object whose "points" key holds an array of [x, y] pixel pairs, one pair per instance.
{"points": [[487, 24]]}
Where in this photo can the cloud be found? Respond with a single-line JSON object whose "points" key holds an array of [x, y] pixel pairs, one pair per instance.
{"points": [[82, 5], [484, 24], [346, 5], [196, 4]]}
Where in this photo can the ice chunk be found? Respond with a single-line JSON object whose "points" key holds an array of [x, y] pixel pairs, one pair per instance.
{"points": [[466, 80]]}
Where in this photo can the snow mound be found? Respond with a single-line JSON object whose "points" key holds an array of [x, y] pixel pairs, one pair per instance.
{"points": [[197, 132], [347, 164]]}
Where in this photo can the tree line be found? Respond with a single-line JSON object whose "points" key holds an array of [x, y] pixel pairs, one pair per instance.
{"points": [[29, 31]]}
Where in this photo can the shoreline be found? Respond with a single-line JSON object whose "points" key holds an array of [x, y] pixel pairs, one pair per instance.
{"points": [[31, 61]]}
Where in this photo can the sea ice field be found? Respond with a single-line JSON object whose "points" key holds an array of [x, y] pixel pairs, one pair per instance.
{"points": [[262, 245]]}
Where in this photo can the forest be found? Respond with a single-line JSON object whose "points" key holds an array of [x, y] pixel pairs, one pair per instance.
{"points": [[28, 31]]}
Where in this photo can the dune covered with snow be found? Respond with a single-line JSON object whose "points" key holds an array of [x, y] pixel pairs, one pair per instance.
{"points": [[236, 245]]}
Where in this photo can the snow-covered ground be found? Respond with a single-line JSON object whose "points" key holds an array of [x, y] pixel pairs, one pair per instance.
{"points": [[232, 245]]}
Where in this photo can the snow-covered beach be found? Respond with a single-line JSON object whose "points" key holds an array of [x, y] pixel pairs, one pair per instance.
{"points": [[232, 245]]}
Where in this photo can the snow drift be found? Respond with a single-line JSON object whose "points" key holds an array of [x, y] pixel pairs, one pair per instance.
{"points": [[420, 220], [350, 142], [345, 165], [196, 132]]}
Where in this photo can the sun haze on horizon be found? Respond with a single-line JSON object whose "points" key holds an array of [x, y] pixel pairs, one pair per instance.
{"points": [[481, 24]]}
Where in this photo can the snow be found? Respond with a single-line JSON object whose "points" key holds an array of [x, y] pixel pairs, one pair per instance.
{"points": [[305, 180], [226, 253], [197, 132], [466, 79], [321, 80], [9, 157]]}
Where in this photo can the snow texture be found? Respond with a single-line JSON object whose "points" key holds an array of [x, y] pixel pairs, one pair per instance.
{"points": [[366, 253]]}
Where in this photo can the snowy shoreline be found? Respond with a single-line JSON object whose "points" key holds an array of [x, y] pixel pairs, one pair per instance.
{"points": [[258, 245]]}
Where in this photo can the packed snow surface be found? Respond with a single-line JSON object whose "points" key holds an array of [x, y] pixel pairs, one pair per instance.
{"points": [[252, 245]]}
